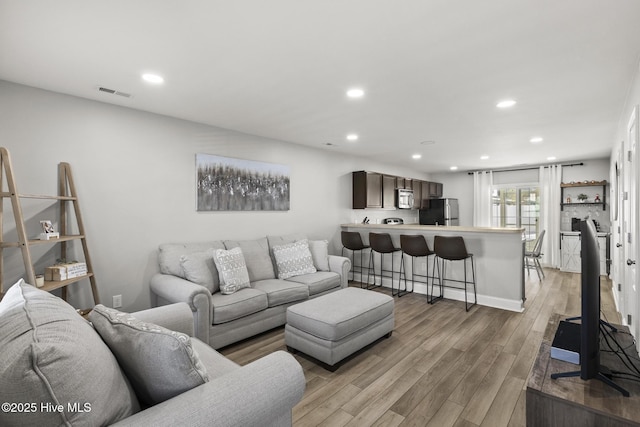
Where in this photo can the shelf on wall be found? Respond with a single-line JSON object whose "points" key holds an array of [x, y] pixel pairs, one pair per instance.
{"points": [[584, 184]]}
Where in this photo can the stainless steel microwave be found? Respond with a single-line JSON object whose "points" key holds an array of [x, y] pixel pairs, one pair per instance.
{"points": [[404, 199]]}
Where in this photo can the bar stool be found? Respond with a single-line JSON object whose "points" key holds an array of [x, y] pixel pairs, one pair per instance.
{"points": [[416, 247], [381, 243], [352, 241], [453, 249]]}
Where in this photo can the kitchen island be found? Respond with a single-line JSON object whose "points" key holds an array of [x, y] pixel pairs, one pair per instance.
{"points": [[498, 254]]}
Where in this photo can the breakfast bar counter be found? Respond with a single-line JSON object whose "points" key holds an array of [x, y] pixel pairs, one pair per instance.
{"points": [[498, 255]]}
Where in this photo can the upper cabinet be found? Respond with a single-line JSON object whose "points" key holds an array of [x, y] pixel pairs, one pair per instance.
{"points": [[435, 190], [388, 191], [417, 193], [376, 190], [367, 190]]}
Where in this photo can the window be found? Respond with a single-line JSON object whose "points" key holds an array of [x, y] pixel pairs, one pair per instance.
{"points": [[516, 206]]}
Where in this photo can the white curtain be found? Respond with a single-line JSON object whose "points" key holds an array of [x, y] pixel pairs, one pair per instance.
{"points": [[550, 214], [482, 183]]}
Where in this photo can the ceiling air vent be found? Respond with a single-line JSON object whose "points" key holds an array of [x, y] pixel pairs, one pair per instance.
{"points": [[114, 92]]}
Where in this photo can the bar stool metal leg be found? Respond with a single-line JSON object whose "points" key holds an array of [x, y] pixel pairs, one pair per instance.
{"points": [[439, 264]]}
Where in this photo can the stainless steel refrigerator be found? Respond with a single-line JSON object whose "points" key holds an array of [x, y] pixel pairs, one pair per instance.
{"points": [[440, 212]]}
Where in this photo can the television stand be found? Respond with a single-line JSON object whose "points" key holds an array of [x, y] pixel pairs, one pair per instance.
{"points": [[572, 401], [604, 374], [601, 376]]}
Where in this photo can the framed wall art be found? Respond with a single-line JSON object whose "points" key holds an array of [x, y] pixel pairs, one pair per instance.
{"points": [[228, 184]]}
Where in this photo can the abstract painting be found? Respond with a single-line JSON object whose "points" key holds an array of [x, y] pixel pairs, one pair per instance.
{"points": [[228, 184]]}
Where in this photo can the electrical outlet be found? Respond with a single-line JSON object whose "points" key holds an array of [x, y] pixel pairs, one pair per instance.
{"points": [[117, 301]]}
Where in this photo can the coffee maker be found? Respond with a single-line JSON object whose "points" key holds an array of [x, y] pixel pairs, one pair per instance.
{"points": [[575, 224]]}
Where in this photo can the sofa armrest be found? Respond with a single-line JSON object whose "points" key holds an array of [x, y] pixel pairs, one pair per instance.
{"points": [[342, 266], [176, 317], [172, 289], [262, 393]]}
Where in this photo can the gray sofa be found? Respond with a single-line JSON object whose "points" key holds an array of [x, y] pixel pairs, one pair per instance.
{"points": [[56, 370], [188, 274]]}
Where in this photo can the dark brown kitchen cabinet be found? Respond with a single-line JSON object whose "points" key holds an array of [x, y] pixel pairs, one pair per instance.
{"points": [[367, 190], [388, 191], [417, 193], [435, 190], [376, 190], [425, 195]]}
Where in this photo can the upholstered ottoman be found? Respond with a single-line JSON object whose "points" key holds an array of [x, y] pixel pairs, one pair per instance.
{"points": [[331, 327]]}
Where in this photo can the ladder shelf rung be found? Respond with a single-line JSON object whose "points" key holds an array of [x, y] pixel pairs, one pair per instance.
{"points": [[43, 242], [38, 196], [53, 285]]}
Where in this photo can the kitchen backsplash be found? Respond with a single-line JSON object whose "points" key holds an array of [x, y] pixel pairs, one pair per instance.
{"points": [[375, 216], [582, 211]]}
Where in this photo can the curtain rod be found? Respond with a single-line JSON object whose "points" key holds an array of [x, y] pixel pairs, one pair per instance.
{"points": [[527, 169]]}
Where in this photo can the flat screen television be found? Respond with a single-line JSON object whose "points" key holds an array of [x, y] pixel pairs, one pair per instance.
{"points": [[590, 289], [590, 314]]}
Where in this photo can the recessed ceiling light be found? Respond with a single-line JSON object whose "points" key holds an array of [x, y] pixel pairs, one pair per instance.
{"points": [[536, 140], [352, 137], [152, 78], [355, 93], [416, 156], [484, 157], [427, 143], [551, 158], [454, 168], [507, 103]]}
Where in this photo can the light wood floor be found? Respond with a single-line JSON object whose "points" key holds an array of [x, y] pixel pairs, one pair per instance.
{"points": [[441, 367]]}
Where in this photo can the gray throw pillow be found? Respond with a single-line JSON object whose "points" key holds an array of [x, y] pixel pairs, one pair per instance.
{"points": [[51, 355], [159, 363], [232, 269], [320, 254], [199, 268], [293, 259]]}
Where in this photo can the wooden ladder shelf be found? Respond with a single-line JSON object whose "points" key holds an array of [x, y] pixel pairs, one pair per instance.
{"points": [[66, 193]]}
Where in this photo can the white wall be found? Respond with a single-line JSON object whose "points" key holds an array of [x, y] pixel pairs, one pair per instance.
{"points": [[135, 175]]}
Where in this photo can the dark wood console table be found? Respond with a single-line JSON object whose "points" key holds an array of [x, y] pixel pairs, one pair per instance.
{"points": [[574, 402]]}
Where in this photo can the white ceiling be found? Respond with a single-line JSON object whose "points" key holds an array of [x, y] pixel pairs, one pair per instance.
{"points": [[433, 70]]}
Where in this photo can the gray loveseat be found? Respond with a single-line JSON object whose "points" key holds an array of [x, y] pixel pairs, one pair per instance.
{"points": [[59, 370], [188, 274]]}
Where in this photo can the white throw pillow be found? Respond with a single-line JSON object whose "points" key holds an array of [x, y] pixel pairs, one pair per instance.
{"points": [[320, 254], [293, 259], [232, 269]]}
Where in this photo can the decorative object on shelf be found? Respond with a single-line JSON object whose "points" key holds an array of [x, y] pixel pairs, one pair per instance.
{"points": [[597, 199], [39, 280], [582, 197], [48, 231], [228, 184], [65, 271], [568, 199]]}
